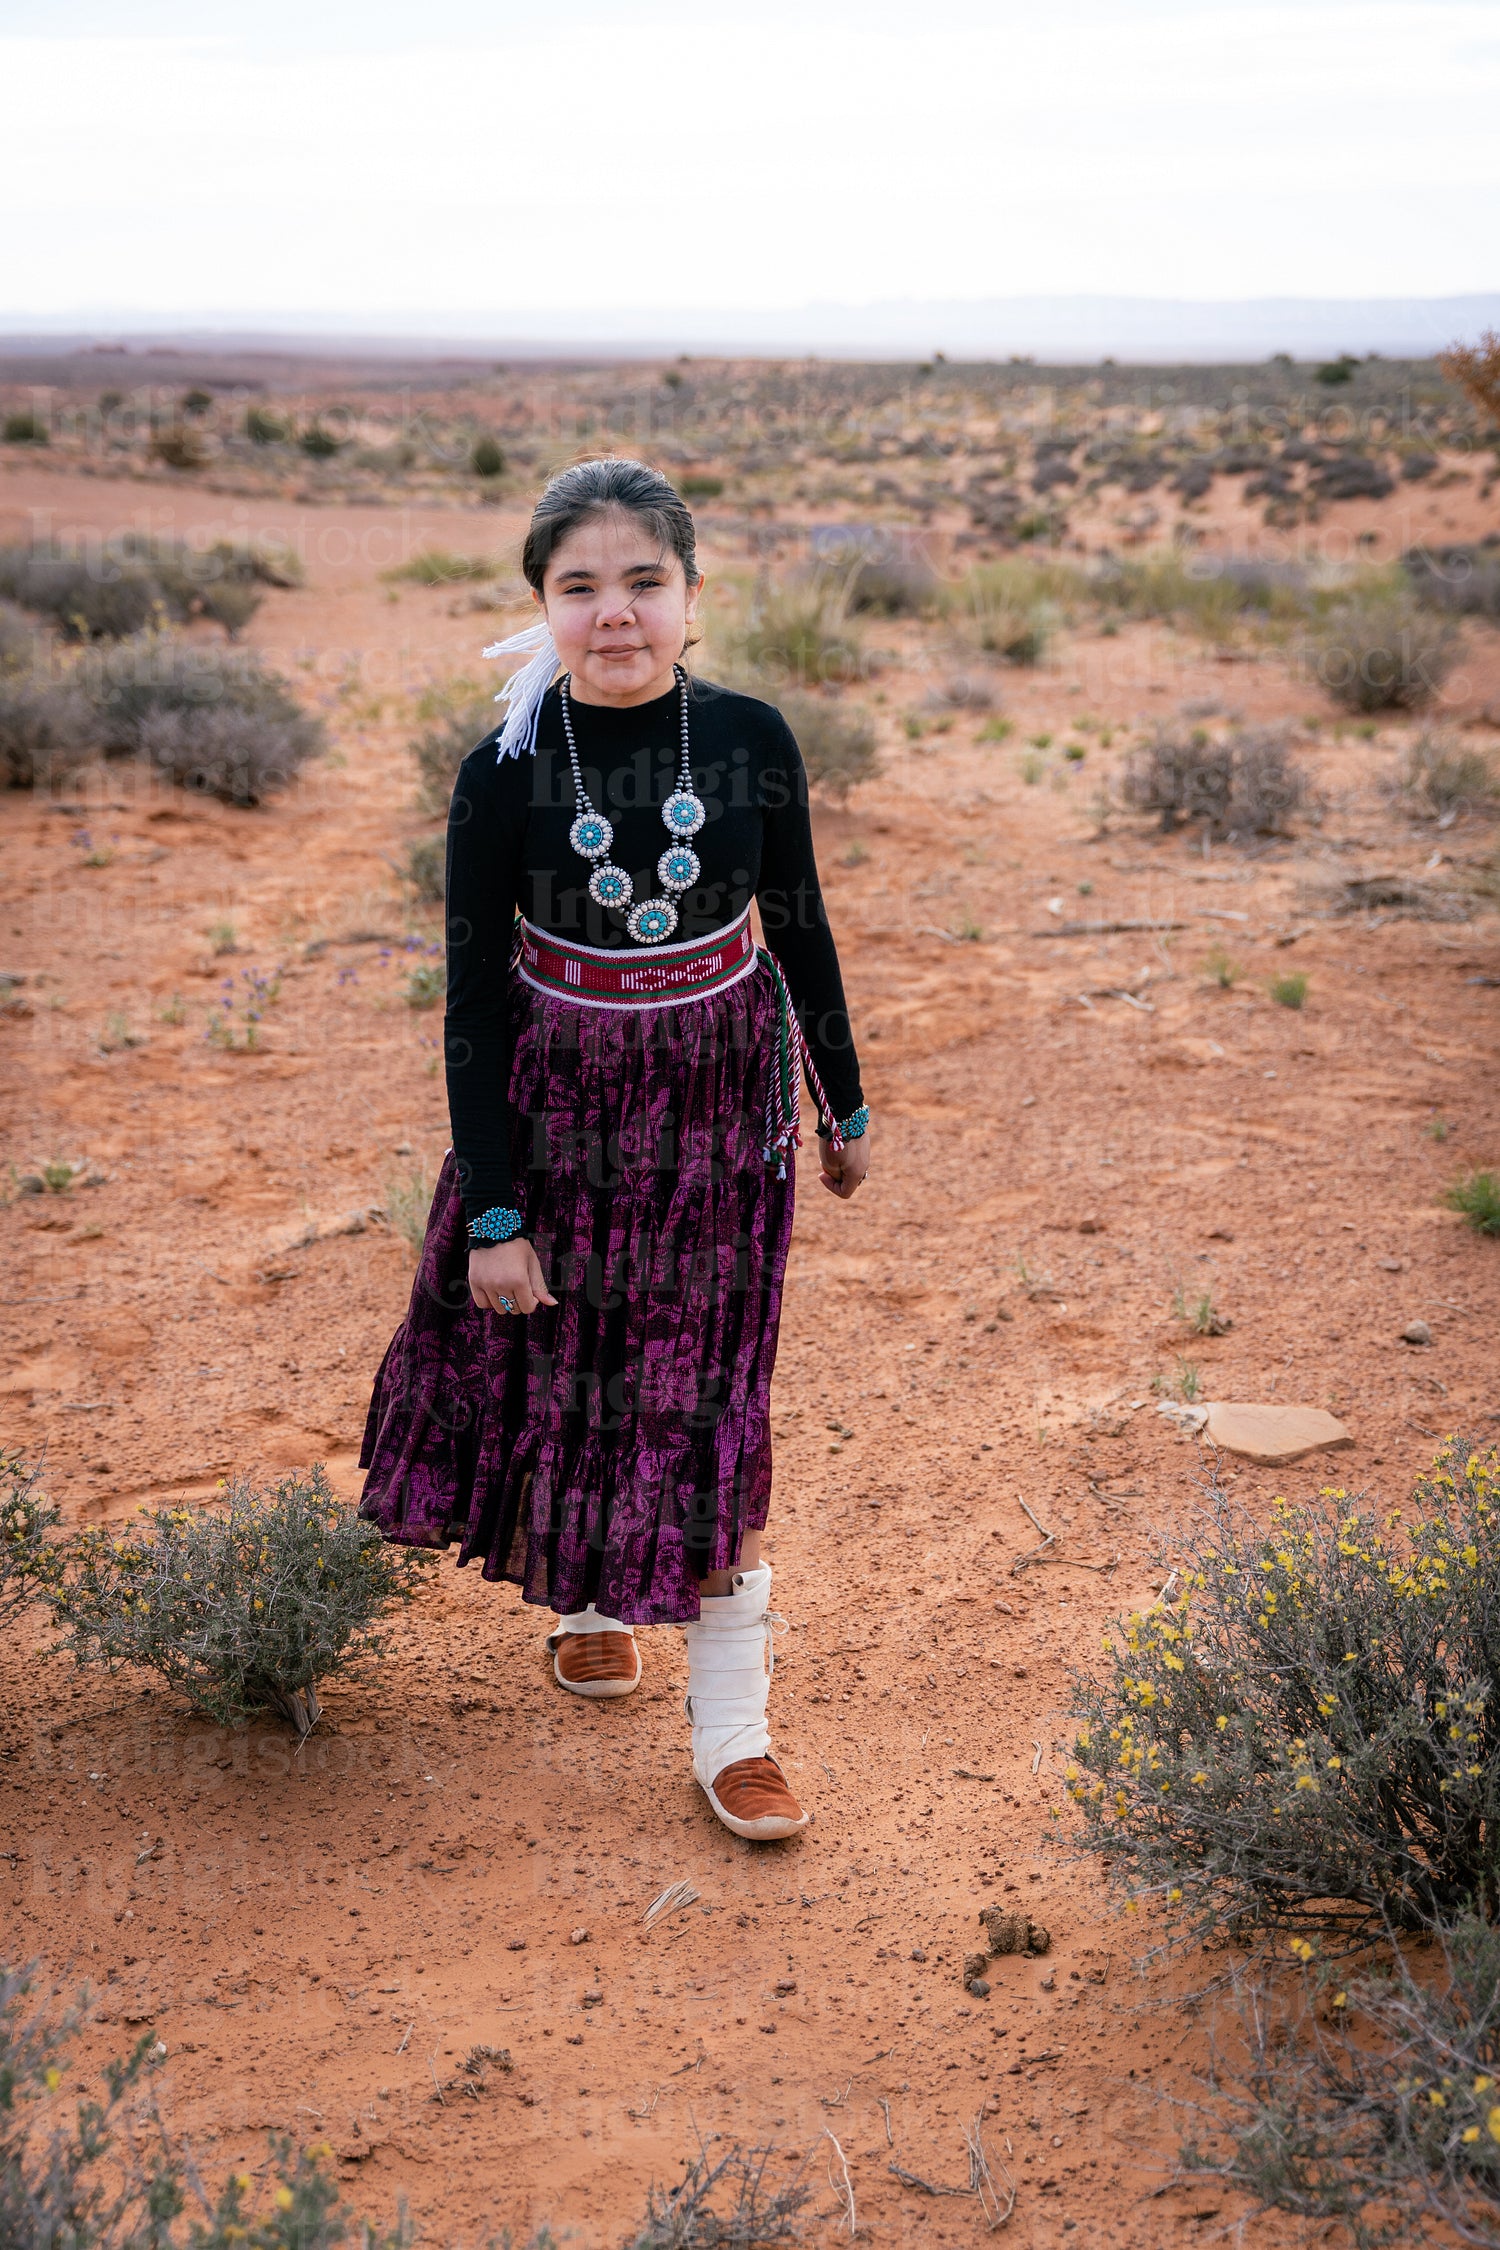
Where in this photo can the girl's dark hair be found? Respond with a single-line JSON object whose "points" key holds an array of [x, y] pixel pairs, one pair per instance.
{"points": [[588, 489]]}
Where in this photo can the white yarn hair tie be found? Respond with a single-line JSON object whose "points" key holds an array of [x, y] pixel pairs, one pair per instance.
{"points": [[524, 690]]}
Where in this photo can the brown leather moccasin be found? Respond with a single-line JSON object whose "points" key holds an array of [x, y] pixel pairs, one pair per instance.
{"points": [[751, 1797], [596, 1664]]}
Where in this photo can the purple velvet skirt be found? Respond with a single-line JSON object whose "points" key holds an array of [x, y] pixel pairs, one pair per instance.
{"points": [[616, 1448]]}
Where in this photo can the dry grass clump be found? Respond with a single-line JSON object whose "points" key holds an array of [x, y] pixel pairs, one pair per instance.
{"points": [[838, 746], [1246, 783], [798, 634], [1477, 1196], [1440, 777], [211, 719], [454, 719], [244, 1608], [1380, 649], [437, 566], [1304, 1734], [47, 728], [1213, 594]]}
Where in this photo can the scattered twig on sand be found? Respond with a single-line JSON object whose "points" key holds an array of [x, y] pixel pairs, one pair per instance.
{"points": [[843, 2186], [995, 2202], [1032, 1554], [675, 1895], [1063, 1562], [885, 2105], [647, 2108], [997, 2205], [838, 2100], [1036, 1763], [406, 2034], [437, 2091]]}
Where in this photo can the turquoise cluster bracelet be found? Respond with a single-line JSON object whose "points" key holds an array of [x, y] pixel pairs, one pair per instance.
{"points": [[853, 1126], [497, 1225]]}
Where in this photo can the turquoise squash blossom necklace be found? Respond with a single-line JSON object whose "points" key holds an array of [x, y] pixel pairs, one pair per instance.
{"points": [[652, 920]]}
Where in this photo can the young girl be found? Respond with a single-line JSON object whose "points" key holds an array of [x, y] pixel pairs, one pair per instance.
{"points": [[579, 1392]]}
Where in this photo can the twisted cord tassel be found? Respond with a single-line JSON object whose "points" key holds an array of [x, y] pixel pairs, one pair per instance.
{"points": [[784, 1087]]}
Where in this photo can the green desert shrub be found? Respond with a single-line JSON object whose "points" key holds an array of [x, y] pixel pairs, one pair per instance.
{"points": [[318, 443], [452, 720], [1289, 991], [838, 746], [212, 719], [1380, 649], [1302, 1731], [243, 1607], [700, 485], [262, 427], [1477, 1196], [24, 428], [27, 1555], [1245, 783], [487, 458]]}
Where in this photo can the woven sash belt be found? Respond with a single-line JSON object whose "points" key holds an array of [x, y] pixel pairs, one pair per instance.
{"points": [[593, 976], [596, 976]]}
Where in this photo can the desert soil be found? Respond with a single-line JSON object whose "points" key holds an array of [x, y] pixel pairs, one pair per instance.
{"points": [[464, 1856]]}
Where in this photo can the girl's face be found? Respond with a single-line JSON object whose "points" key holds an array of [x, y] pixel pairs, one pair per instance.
{"points": [[619, 608]]}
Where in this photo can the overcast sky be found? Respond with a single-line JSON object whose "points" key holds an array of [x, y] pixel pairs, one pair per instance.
{"points": [[341, 158]]}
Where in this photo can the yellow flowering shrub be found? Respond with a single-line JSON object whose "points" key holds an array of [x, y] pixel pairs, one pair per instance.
{"points": [[1307, 1725], [243, 1606], [28, 1558], [1371, 2093]]}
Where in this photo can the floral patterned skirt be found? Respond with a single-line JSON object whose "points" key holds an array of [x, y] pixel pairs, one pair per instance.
{"points": [[617, 1447]]}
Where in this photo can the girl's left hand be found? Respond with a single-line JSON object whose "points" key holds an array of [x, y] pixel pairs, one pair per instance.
{"points": [[843, 1172]]}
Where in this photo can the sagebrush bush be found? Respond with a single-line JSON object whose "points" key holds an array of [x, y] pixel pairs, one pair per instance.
{"points": [[124, 585], [28, 1558], [1463, 577], [454, 720], [487, 458], [25, 428], [213, 719], [893, 586], [1246, 783], [1307, 1733], [108, 2173], [1440, 777], [838, 746], [243, 1607], [47, 728], [1372, 2088], [1381, 650]]}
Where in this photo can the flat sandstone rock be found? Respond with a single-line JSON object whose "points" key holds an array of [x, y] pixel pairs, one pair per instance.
{"points": [[1274, 1434]]}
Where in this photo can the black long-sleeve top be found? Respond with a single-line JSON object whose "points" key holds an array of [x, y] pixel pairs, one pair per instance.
{"points": [[508, 850]]}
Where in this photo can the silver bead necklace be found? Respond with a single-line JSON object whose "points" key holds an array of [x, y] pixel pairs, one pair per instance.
{"points": [[652, 920]]}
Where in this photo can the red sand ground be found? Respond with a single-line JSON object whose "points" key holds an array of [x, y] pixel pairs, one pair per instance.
{"points": [[463, 1855]]}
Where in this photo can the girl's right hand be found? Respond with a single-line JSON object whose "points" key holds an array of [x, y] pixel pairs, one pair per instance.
{"points": [[507, 1270]]}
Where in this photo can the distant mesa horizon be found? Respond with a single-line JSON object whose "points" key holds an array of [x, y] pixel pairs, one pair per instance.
{"points": [[1057, 329]]}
